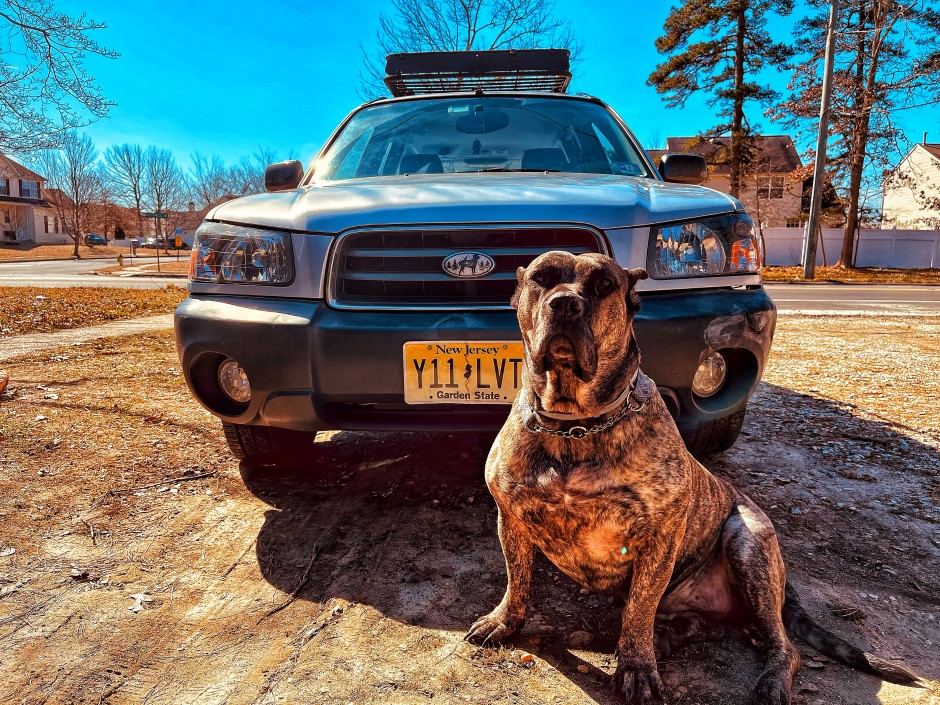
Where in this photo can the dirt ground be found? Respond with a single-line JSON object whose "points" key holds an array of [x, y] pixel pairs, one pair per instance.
{"points": [[138, 564]]}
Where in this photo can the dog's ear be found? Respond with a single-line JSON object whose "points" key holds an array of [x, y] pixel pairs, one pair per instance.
{"points": [[633, 276], [520, 278]]}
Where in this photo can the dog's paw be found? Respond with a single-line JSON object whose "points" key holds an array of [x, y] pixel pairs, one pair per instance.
{"points": [[493, 628], [770, 689], [638, 683]]}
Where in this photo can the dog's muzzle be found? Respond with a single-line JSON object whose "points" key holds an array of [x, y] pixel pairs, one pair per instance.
{"points": [[564, 337]]}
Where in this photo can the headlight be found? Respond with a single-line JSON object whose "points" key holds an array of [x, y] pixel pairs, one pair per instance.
{"points": [[727, 244], [234, 254]]}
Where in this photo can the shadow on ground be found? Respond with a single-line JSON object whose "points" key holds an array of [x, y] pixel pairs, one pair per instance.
{"points": [[403, 522]]}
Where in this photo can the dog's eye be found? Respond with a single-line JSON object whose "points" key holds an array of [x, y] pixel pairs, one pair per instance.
{"points": [[540, 278], [603, 286]]}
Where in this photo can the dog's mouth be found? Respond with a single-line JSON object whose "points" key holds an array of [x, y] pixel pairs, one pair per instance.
{"points": [[561, 353]]}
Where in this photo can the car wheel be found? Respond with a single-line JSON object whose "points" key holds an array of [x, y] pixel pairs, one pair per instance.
{"points": [[714, 436], [264, 446]]}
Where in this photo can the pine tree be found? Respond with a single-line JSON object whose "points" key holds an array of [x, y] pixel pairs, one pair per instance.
{"points": [[718, 47], [887, 59]]}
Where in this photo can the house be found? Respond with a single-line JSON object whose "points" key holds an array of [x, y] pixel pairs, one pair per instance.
{"points": [[26, 215], [912, 190], [775, 193], [183, 224]]}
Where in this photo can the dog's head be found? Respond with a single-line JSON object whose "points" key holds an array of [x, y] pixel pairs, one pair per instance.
{"points": [[576, 316]]}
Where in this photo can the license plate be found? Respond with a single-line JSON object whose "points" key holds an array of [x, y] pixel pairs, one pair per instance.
{"points": [[462, 372]]}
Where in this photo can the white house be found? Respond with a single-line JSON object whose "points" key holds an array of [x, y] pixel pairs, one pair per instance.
{"points": [[26, 215], [912, 191]]}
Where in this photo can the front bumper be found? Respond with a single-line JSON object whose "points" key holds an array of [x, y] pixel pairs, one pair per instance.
{"points": [[316, 368]]}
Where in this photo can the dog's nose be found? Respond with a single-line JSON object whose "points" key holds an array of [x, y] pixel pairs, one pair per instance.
{"points": [[567, 303]]}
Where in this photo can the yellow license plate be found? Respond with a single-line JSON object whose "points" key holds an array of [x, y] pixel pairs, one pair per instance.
{"points": [[447, 372]]}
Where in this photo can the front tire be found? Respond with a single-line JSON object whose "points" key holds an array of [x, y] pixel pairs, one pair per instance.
{"points": [[264, 446], [714, 436]]}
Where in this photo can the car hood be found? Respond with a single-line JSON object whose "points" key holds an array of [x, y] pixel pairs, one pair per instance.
{"points": [[602, 200]]}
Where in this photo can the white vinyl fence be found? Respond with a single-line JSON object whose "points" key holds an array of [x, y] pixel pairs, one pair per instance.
{"points": [[901, 249]]}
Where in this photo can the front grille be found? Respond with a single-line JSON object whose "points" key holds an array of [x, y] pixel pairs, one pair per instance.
{"points": [[404, 268]]}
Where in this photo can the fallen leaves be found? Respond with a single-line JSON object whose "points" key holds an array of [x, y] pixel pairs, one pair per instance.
{"points": [[862, 275], [140, 599], [34, 310]]}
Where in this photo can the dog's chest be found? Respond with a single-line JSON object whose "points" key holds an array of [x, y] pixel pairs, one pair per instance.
{"points": [[588, 526]]}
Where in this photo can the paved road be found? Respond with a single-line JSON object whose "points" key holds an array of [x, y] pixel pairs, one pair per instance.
{"points": [[75, 273], [790, 298], [855, 298]]}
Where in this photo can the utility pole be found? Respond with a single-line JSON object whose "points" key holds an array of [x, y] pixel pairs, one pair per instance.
{"points": [[819, 172]]}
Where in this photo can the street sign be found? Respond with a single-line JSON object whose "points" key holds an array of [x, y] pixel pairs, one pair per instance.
{"points": [[154, 215]]}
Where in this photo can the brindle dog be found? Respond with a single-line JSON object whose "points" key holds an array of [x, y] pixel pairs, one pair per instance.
{"points": [[590, 469]]}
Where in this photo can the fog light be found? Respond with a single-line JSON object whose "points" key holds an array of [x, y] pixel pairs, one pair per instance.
{"points": [[234, 381], [710, 375]]}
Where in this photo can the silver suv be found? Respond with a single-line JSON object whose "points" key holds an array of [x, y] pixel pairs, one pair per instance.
{"points": [[372, 291]]}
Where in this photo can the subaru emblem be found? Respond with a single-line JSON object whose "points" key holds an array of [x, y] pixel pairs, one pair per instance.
{"points": [[468, 265]]}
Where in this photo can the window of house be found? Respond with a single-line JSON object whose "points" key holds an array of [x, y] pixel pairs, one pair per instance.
{"points": [[45, 223], [29, 189], [4, 187], [55, 223], [6, 216], [770, 186], [795, 222]]}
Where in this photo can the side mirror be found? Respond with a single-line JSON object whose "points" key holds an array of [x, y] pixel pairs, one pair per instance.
{"points": [[283, 175], [683, 168]]}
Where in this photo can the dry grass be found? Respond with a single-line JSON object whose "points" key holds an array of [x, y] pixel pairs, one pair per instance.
{"points": [[862, 275], [40, 310], [13, 253]]}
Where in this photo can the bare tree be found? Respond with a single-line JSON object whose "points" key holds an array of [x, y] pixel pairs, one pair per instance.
{"points": [[462, 25], [164, 186], [247, 176], [125, 171], [75, 172], [887, 60], [210, 179], [45, 91]]}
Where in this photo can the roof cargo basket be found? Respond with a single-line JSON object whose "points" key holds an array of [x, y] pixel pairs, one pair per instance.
{"points": [[452, 71]]}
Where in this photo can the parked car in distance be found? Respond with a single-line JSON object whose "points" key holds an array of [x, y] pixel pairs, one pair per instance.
{"points": [[95, 239], [372, 292]]}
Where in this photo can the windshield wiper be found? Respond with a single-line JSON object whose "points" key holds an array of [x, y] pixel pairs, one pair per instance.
{"points": [[506, 168]]}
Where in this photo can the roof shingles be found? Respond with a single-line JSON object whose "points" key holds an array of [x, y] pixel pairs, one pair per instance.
{"points": [[778, 154]]}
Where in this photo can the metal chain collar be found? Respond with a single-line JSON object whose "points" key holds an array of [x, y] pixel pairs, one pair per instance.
{"points": [[578, 432]]}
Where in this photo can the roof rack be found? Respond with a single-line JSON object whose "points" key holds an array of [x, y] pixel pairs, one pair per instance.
{"points": [[503, 70]]}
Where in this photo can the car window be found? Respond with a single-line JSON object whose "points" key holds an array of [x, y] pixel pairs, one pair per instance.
{"points": [[480, 133]]}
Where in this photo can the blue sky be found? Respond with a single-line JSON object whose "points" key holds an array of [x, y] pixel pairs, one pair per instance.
{"points": [[228, 77]]}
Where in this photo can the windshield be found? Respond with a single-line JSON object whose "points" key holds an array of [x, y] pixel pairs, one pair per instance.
{"points": [[480, 133]]}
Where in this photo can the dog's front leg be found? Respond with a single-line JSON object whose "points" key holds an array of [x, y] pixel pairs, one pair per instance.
{"points": [[509, 615], [637, 678]]}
